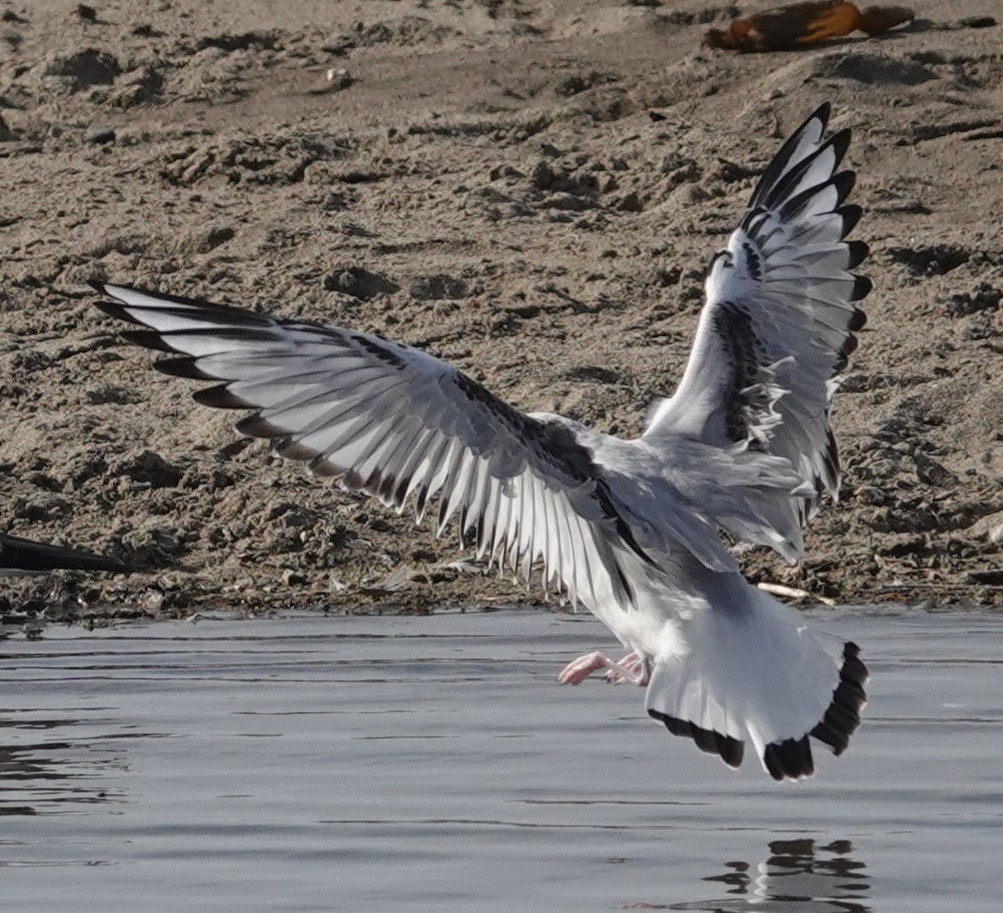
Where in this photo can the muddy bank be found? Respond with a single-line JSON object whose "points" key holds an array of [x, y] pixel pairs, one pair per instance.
{"points": [[531, 191]]}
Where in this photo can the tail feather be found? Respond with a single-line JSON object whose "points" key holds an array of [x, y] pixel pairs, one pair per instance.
{"points": [[843, 715], [727, 747], [757, 674]]}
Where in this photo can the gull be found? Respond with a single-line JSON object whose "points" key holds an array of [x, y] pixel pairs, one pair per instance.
{"points": [[629, 529], [24, 556]]}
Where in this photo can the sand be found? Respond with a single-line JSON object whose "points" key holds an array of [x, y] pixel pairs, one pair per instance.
{"points": [[530, 190]]}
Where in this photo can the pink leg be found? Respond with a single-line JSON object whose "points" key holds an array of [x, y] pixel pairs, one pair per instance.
{"points": [[631, 668], [635, 670]]}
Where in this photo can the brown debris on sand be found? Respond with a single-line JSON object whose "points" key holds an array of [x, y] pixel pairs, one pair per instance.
{"points": [[786, 28]]}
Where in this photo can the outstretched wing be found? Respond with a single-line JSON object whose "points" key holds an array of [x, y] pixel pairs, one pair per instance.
{"points": [[779, 323], [392, 421], [24, 556]]}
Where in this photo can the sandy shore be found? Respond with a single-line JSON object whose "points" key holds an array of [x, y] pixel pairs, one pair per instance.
{"points": [[530, 190]]}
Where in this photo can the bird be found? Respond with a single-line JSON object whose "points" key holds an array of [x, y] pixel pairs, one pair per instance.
{"points": [[25, 556], [630, 529]]}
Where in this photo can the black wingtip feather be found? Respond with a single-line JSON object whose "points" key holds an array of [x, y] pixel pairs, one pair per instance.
{"points": [[851, 214], [843, 182], [183, 367], [255, 426], [204, 309], [729, 749], [840, 142], [220, 397], [858, 253], [861, 288], [116, 310], [822, 113], [857, 321], [781, 160], [148, 339], [773, 196], [320, 466], [848, 348], [294, 450], [28, 556]]}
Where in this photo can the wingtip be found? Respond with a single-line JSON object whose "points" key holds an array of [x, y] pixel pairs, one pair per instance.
{"points": [[862, 287], [116, 310], [27, 556], [823, 112], [858, 252], [148, 339], [851, 214], [840, 143], [111, 289]]}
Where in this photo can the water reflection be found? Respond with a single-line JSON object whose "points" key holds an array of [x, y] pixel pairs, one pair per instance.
{"points": [[798, 876], [39, 775]]}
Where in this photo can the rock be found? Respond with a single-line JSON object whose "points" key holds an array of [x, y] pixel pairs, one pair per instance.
{"points": [[930, 472], [567, 201], [438, 287], [148, 468], [680, 169], [930, 259], [878, 69], [242, 41], [631, 202], [155, 544], [989, 528], [359, 283], [573, 85], [504, 170], [991, 576], [543, 176], [137, 87], [209, 237], [335, 79], [99, 136], [985, 297], [86, 68]]}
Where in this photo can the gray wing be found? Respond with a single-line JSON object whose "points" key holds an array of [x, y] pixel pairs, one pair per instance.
{"points": [[392, 421], [778, 326]]}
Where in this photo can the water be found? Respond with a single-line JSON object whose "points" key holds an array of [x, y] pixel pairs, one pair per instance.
{"points": [[431, 764]]}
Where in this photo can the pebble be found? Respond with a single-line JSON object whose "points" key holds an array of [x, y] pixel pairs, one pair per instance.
{"points": [[99, 136]]}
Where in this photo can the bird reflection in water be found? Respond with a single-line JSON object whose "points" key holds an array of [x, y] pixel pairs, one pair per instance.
{"points": [[799, 876], [41, 775]]}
